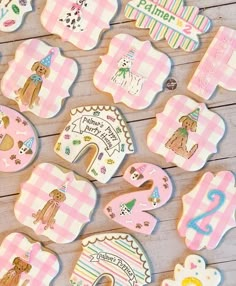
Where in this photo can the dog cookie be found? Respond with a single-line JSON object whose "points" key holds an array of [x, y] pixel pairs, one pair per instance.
{"points": [[13, 13], [129, 210], [218, 66], [194, 273], [42, 78], [117, 256], [79, 22], [18, 141], [23, 262], [102, 127], [180, 25], [208, 211], [133, 72], [61, 203], [186, 133]]}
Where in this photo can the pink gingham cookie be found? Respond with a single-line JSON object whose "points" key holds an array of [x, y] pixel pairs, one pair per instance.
{"points": [[13, 13], [18, 141], [23, 262], [186, 133], [56, 203], [180, 25], [39, 78], [79, 22], [129, 210], [208, 211], [99, 126], [218, 66], [133, 72], [117, 256], [194, 273]]}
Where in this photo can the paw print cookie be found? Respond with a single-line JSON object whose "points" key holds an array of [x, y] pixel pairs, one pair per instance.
{"points": [[218, 66], [23, 262], [79, 22], [117, 256], [129, 210], [209, 211], [61, 203], [133, 72], [42, 78], [194, 273], [102, 127], [13, 13], [180, 25], [18, 141], [186, 133]]}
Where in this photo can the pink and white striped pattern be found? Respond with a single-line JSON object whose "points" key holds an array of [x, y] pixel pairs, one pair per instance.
{"points": [[196, 203]]}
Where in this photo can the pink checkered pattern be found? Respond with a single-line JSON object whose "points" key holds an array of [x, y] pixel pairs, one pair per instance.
{"points": [[210, 130], [97, 16], [196, 203], [218, 66], [149, 63], [55, 88], [45, 265], [73, 213]]}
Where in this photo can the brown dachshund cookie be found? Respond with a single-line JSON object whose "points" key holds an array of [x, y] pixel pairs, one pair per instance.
{"points": [[47, 214], [12, 277], [178, 141], [29, 93], [6, 141]]}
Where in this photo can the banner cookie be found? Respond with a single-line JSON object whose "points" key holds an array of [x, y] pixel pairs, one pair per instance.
{"points": [[186, 133], [209, 211], [42, 78], [180, 25], [13, 13], [194, 273], [133, 72], [218, 66], [61, 203], [117, 256], [79, 22], [102, 127], [23, 262], [129, 210], [18, 141]]}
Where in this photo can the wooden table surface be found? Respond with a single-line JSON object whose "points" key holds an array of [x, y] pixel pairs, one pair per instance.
{"points": [[165, 248]]}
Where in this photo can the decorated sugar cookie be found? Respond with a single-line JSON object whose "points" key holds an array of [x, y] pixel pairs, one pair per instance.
{"points": [[79, 22], [218, 66], [186, 133], [18, 141], [130, 209], [102, 127], [24, 262], [209, 211], [13, 13], [194, 273], [132, 71], [61, 203], [42, 78], [117, 256], [180, 25]]}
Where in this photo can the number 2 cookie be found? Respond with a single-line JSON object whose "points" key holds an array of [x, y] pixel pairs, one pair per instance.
{"points": [[209, 211], [24, 262], [56, 203], [102, 127], [186, 133], [117, 256], [130, 209], [133, 72], [18, 141], [79, 22], [42, 78]]}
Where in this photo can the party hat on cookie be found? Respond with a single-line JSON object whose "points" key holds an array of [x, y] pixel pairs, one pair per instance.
{"points": [[47, 61], [194, 115]]}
